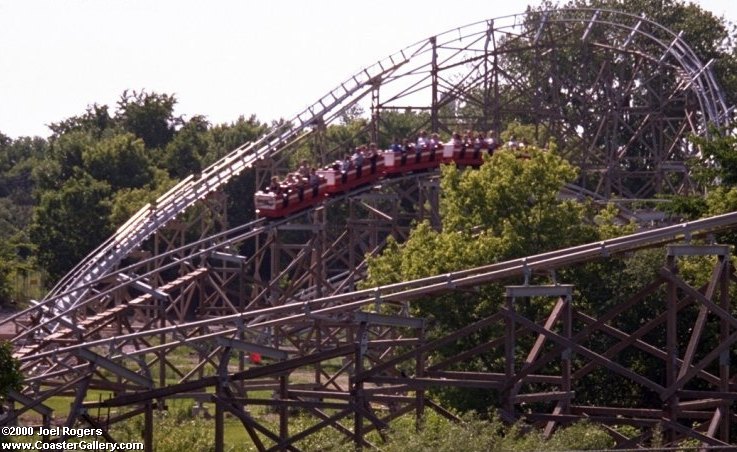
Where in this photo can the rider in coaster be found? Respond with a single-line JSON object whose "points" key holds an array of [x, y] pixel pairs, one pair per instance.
{"points": [[304, 169], [345, 166], [479, 144], [372, 154], [408, 147], [314, 181], [422, 141], [357, 158], [491, 142], [434, 145], [421, 146], [396, 147], [274, 186]]}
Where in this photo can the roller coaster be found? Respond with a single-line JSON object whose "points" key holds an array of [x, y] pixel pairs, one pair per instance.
{"points": [[620, 95]]}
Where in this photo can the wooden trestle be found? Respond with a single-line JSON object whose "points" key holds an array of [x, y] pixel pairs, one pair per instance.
{"points": [[356, 361]]}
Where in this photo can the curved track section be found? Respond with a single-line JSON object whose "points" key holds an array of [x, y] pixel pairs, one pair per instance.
{"points": [[618, 93], [374, 325], [465, 72], [138, 277]]}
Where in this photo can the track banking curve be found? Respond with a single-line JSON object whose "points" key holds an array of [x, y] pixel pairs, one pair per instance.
{"points": [[184, 318], [405, 75]]}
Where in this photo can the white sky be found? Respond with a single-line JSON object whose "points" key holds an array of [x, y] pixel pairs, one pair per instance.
{"points": [[221, 58]]}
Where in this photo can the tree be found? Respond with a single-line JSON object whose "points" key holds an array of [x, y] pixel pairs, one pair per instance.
{"points": [[149, 116], [508, 208], [710, 37], [5, 281], [65, 160], [398, 125], [227, 137], [10, 375], [120, 160], [95, 121], [127, 201], [715, 170], [70, 222], [186, 151]]}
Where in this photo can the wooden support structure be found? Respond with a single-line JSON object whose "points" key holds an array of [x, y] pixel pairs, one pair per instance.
{"points": [[255, 305]]}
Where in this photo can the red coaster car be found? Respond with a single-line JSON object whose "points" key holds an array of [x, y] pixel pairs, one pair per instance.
{"points": [[339, 181], [289, 200], [414, 159]]}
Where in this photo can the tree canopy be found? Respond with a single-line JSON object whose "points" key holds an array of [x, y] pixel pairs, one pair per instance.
{"points": [[510, 207], [61, 197]]}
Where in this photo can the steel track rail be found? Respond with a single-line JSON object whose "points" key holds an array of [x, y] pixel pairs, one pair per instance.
{"points": [[430, 286], [74, 286], [199, 248]]}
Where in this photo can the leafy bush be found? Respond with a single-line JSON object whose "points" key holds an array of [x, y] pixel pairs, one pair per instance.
{"points": [[10, 376], [174, 431], [477, 434]]}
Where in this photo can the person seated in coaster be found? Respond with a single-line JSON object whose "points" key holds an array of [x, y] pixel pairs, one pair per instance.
{"points": [[304, 169], [358, 157], [274, 186], [396, 147], [314, 181], [345, 166], [422, 141]]}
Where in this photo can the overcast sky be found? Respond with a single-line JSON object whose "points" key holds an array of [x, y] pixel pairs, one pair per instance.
{"points": [[222, 58]]}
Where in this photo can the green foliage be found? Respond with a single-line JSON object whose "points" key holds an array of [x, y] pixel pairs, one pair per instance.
{"points": [[525, 133], [709, 36], [608, 225], [5, 281], [341, 139], [95, 121], [226, 137], [508, 208], [120, 160], [398, 125], [717, 163], [18, 158], [70, 222], [10, 376], [128, 201], [716, 171], [721, 200], [173, 432], [65, 160], [63, 196], [515, 199], [477, 434], [149, 116], [184, 154], [177, 430], [688, 207]]}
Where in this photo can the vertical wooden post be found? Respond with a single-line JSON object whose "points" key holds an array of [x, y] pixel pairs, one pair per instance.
{"points": [[283, 411], [509, 345], [724, 361], [318, 349], [671, 366], [357, 386], [419, 373], [567, 352], [375, 111], [148, 427], [219, 427], [434, 117]]}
